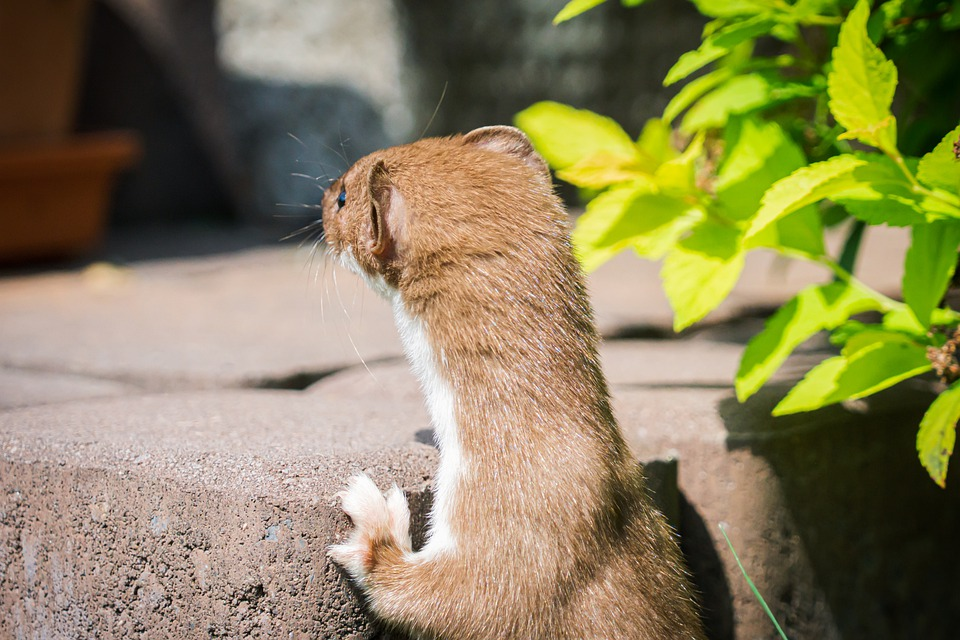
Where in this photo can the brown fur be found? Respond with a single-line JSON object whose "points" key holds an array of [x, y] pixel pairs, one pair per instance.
{"points": [[554, 534]]}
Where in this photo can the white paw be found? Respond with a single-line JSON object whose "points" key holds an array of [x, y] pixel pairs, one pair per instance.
{"points": [[378, 522]]}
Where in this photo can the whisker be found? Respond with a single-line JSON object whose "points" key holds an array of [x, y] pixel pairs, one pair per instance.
{"points": [[298, 205], [336, 288], [299, 141], [314, 179], [342, 154], [313, 226], [436, 110]]}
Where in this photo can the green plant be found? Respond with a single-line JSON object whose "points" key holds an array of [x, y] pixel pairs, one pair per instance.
{"points": [[763, 152]]}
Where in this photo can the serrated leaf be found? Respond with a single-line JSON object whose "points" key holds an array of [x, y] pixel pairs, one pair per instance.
{"points": [[902, 320], [879, 193], [814, 390], [862, 83], [940, 168], [812, 310], [574, 8], [717, 45], [890, 209], [701, 271], [602, 169], [564, 135], [870, 369], [741, 95], [694, 90], [938, 434], [694, 60], [630, 217], [803, 187], [929, 265], [758, 154]]}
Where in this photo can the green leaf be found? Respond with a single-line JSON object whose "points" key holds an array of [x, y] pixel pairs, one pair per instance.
{"points": [[564, 135], [929, 265], [902, 320], [800, 231], [602, 169], [888, 359], [738, 95], [870, 186], [655, 142], [940, 168], [631, 216], [758, 154], [805, 9], [862, 83], [880, 193], [679, 175], [701, 271], [741, 95], [803, 187], [574, 8], [717, 45], [694, 90], [731, 8], [938, 433], [812, 310]]}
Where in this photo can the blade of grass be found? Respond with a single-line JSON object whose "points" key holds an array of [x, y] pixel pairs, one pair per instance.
{"points": [[753, 587]]}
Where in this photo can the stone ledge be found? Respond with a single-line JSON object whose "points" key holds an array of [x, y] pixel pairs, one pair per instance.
{"points": [[185, 514]]}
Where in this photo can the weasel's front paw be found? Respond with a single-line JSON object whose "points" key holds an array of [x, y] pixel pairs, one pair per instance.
{"points": [[379, 524]]}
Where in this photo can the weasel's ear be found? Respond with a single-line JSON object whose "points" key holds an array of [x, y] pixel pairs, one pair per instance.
{"points": [[508, 140], [386, 212]]}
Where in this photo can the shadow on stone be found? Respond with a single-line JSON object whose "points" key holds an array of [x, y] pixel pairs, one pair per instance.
{"points": [[298, 381], [642, 332], [426, 436], [706, 573], [857, 508]]}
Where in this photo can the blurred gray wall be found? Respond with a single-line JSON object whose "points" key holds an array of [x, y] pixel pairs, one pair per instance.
{"points": [[251, 106]]}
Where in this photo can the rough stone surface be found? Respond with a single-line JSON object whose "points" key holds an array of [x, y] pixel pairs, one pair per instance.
{"points": [[190, 514], [20, 388], [261, 318], [173, 433]]}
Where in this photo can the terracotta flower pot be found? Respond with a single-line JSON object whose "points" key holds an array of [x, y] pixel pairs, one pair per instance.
{"points": [[54, 187], [41, 55], [54, 195]]}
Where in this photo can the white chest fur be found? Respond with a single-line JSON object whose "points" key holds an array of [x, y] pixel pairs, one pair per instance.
{"points": [[441, 404]]}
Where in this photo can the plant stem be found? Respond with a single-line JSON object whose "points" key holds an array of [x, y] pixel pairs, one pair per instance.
{"points": [[842, 275], [915, 184], [898, 159]]}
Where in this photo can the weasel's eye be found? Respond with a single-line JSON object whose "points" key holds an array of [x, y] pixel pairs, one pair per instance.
{"points": [[342, 199]]}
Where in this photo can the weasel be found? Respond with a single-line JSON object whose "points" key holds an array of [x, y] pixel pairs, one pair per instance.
{"points": [[541, 527]]}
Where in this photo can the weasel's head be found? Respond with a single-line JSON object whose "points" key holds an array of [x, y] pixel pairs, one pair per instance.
{"points": [[436, 201]]}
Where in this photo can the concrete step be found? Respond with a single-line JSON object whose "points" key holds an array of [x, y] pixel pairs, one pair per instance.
{"points": [[191, 513], [173, 433]]}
